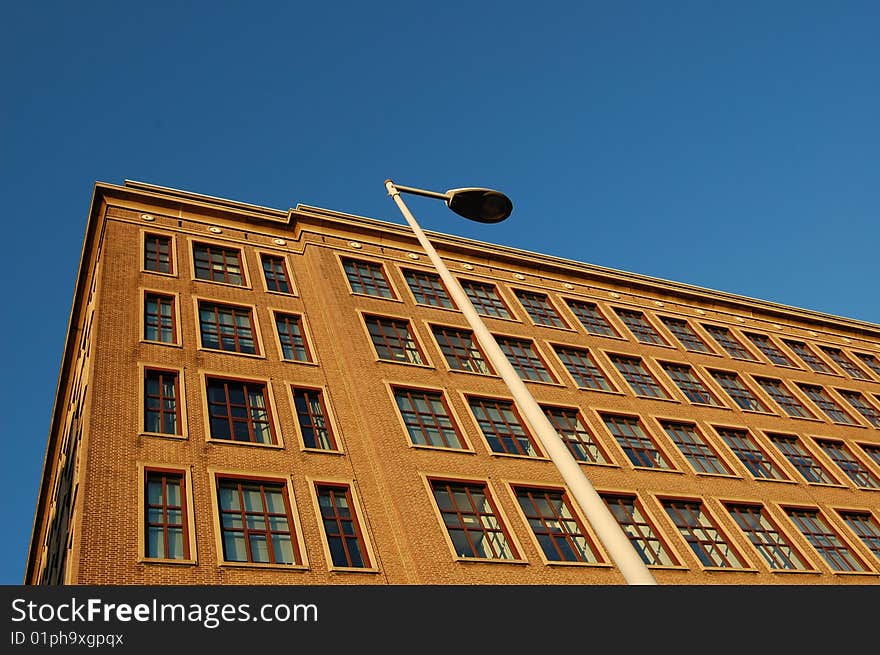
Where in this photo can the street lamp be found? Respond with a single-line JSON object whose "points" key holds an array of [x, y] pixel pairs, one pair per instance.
{"points": [[488, 206]]}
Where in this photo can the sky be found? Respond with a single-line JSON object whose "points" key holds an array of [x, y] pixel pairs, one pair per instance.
{"points": [[728, 145]]}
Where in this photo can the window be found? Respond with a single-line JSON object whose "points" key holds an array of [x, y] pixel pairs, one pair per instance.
{"points": [[256, 524], [738, 392], [838, 453], [701, 534], [165, 517], [641, 328], [393, 340], [367, 278], [427, 288], [313, 420], [582, 367], [858, 402], [556, 527], [870, 361], [777, 390], [693, 446], [729, 343], [539, 309], [239, 411], [157, 254], [592, 318], [501, 425], [460, 350], [801, 459], [217, 264], [227, 328], [275, 274], [771, 351], [849, 367], [753, 457], [574, 433], [635, 442], [865, 527], [294, 347], [827, 404], [160, 322], [807, 355], [524, 358], [485, 299], [642, 534], [639, 378], [873, 452], [162, 402], [348, 549], [426, 417], [691, 386], [471, 520], [773, 546], [824, 539], [685, 334]]}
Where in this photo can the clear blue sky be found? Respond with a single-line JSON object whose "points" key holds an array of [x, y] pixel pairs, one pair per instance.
{"points": [[730, 145]]}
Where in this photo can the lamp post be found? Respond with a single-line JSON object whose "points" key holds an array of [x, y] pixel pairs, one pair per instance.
{"points": [[488, 206]]}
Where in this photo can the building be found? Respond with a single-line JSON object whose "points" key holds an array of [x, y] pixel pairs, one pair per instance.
{"points": [[254, 396]]}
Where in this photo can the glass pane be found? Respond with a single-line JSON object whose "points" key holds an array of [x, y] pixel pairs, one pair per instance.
{"points": [[283, 548], [275, 502], [229, 498], [175, 544], [155, 543], [252, 500], [259, 548], [234, 549]]}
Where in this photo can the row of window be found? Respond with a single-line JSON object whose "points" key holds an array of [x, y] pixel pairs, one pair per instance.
{"points": [[241, 411], [225, 265], [257, 524]]}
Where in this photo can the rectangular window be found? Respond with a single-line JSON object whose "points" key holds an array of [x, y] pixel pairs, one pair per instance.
{"points": [[807, 355], [485, 299], [162, 402], [693, 446], [275, 274], [642, 534], [165, 520], [426, 417], [592, 318], [574, 433], [393, 340], [862, 406], [845, 363], [873, 452], [294, 347], [502, 427], [160, 323], [765, 536], [771, 351], [729, 343], [738, 391], [313, 420], [256, 522], [639, 378], [555, 525], [827, 404], [838, 453], [870, 361], [753, 457], [641, 328], [685, 334], [341, 527], [367, 278], [157, 253], [472, 521], [801, 459], [582, 367], [460, 350], [865, 526], [635, 442], [523, 356], [540, 309], [702, 534], [227, 328], [824, 539], [239, 411], [427, 288], [777, 390], [689, 384], [218, 264]]}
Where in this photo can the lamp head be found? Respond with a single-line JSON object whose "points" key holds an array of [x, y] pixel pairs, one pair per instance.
{"points": [[482, 205]]}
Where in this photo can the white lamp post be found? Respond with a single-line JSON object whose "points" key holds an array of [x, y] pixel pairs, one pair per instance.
{"points": [[487, 206]]}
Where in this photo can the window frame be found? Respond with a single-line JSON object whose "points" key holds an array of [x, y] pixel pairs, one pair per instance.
{"points": [[872, 420], [392, 387], [271, 407], [306, 335], [468, 396], [841, 536], [843, 512], [329, 418], [796, 345], [405, 270], [781, 531], [536, 352], [768, 456], [735, 339], [838, 355], [774, 348], [588, 427], [650, 519], [143, 469], [341, 258], [194, 241], [254, 320], [828, 397], [774, 436], [511, 316], [649, 370], [551, 308], [490, 371], [182, 415], [843, 446], [743, 563], [740, 376], [358, 515], [620, 310], [647, 434], [588, 354], [707, 443], [288, 272], [174, 296], [172, 252], [411, 331], [760, 379], [612, 328], [698, 378]]}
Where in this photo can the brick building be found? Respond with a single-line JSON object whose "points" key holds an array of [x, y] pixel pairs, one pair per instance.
{"points": [[254, 396]]}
